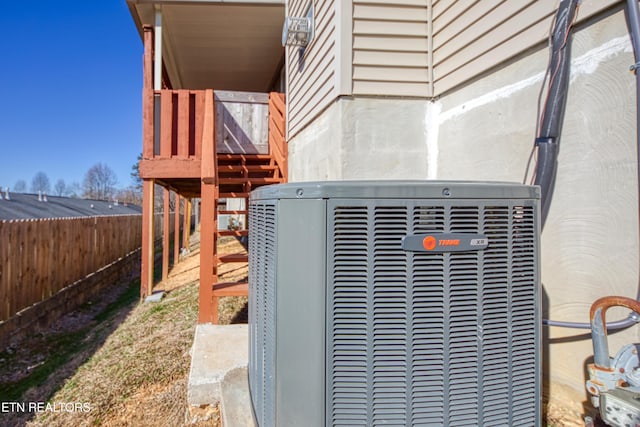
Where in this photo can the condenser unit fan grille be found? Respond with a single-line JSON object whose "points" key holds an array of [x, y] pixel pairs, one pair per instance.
{"points": [[262, 309], [425, 338]]}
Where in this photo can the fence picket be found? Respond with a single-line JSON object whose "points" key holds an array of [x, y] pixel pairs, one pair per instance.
{"points": [[40, 257]]}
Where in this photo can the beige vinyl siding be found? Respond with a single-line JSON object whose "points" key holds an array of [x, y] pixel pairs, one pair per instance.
{"points": [[470, 37], [409, 48], [391, 48], [312, 76]]}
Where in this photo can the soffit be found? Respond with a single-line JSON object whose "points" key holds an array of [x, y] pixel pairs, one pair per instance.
{"points": [[220, 45]]}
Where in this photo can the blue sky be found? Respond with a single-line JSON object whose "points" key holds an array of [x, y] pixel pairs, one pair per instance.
{"points": [[71, 89]]}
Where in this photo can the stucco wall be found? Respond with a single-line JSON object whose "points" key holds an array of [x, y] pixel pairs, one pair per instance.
{"points": [[363, 138], [589, 244], [484, 131]]}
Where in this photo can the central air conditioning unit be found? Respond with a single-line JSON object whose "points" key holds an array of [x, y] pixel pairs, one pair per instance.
{"points": [[395, 303]]}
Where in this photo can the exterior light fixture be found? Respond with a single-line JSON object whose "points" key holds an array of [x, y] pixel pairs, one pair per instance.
{"points": [[297, 31]]}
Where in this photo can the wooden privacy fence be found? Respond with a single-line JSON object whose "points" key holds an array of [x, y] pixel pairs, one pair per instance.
{"points": [[40, 257]]}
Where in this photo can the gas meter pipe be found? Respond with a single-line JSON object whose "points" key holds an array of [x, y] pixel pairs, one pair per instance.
{"points": [[599, 326]]}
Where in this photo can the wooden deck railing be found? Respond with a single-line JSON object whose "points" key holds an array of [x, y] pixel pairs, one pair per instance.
{"points": [[175, 125], [180, 114], [40, 257], [277, 131]]}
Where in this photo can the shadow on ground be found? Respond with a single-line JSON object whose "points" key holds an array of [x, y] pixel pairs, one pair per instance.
{"points": [[34, 367]]}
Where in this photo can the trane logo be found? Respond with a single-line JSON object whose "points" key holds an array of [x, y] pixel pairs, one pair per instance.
{"points": [[430, 242], [445, 242]]}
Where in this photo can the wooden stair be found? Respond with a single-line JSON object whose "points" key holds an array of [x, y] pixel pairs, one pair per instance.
{"points": [[236, 233], [230, 289], [226, 176], [238, 175], [233, 258]]}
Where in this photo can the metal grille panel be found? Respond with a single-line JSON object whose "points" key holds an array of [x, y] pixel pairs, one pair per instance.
{"points": [[417, 338], [370, 334], [262, 309]]}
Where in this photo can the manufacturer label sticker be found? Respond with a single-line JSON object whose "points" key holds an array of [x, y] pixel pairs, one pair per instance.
{"points": [[478, 242]]}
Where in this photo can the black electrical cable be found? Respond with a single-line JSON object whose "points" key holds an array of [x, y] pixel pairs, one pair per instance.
{"points": [[633, 23], [543, 86], [552, 117]]}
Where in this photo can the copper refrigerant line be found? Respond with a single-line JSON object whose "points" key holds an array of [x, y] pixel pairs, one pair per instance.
{"points": [[599, 326]]}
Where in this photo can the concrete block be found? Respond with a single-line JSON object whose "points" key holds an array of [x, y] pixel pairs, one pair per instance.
{"points": [[217, 350], [155, 297], [236, 401]]}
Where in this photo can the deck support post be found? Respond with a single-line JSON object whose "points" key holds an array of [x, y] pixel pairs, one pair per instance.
{"points": [[176, 228], [187, 223], [146, 273], [208, 310], [146, 269], [207, 313], [166, 232], [195, 205]]}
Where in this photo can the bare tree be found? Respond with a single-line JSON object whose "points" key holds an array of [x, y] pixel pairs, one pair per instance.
{"points": [[40, 182], [60, 188], [99, 182], [74, 190], [129, 195], [20, 186]]}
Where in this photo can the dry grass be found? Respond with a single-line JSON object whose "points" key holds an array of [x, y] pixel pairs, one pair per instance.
{"points": [[143, 364], [136, 373]]}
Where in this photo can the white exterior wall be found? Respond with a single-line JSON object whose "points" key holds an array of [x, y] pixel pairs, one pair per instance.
{"points": [[484, 130]]}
